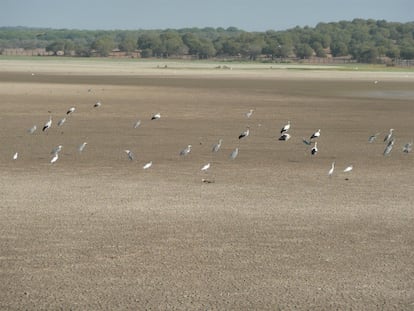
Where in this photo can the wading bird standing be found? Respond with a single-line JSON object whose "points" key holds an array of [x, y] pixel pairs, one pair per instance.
{"points": [[249, 114], [314, 149], [332, 169], [32, 129], [56, 149], [129, 154], [15, 156], [70, 110], [388, 137], [47, 125], [234, 153], [137, 124], [54, 158], [373, 137], [284, 137], [61, 121], [245, 133], [81, 147], [156, 116], [217, 146], [185, 151], [408, 147], [205, 167], [316, 134], [285, 128], [348, 169], [147, 165], [389, 147]]}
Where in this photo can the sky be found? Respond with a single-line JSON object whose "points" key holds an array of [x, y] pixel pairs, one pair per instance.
{"points": [[249, 15]]}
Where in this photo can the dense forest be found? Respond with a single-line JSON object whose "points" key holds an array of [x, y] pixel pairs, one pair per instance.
{"points": [[366, 41]]}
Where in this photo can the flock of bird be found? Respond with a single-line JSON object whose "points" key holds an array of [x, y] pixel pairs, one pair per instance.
{"points": [[389, 141]]}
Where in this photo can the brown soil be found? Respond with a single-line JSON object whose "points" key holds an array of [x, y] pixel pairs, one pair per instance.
{"points": [[272, 230]]}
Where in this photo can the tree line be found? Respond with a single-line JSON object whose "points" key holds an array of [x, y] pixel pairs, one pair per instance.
{"points": [[363, 40]]}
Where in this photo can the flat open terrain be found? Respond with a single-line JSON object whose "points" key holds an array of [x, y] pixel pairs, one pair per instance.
{"points": [[272, 231]]}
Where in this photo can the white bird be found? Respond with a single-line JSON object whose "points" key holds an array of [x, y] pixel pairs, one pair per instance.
{"points": [[70, 110], [249, 114], [130, 154], [389, 135], [314, 149], [185, 151], [408, 147], [15, 156], [81, 147], [137, 124], [389, 147], [373, 137], [32, 129], [332, 169], [147, 165], [217, 146], [56, 149], [285, 136], [245, 133], [316, 134], [55, 158], [98, 104], [156, 116], [205, 167], [234, 153], [285, 128], [47, 125], [348, 169], [61, 121]]}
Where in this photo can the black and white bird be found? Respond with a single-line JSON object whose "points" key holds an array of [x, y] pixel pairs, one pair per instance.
{"points": [[285, 128], [97, 105], [373, 137], [129, 154], [156, 116], [314, 149], [47, 125], [408, 147], [70, 110], [284, 136], [388, 137], [245, 133], [61, 121], [316, 134], [234, 154], [389, 147], [217, 146], [185, 151]]}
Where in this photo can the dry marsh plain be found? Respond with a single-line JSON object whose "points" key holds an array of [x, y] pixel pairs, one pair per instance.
{"points": [[271, 231]]}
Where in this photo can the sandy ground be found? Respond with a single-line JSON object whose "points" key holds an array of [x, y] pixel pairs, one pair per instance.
{"points": [[272, 231]]}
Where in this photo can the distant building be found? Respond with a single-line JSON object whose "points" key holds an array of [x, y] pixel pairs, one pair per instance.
{"points": [[25, 52]]}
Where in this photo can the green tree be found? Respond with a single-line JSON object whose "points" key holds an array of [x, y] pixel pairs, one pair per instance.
{"points": [[103, 45]]}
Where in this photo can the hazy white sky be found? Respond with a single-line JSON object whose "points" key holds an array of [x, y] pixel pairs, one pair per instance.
{"points": [[250, 15]]}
